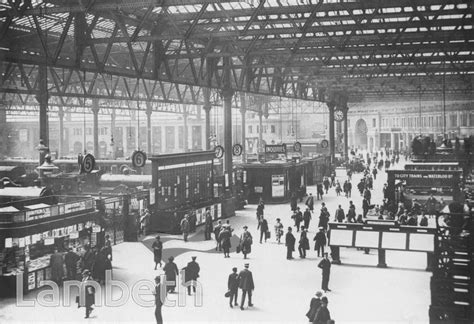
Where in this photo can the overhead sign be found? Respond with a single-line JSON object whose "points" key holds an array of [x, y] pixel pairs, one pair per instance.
{"points": [[138, 159], [428, 179], [280, 149]]}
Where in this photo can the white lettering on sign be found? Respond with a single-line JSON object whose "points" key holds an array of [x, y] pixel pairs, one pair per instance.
{"points": [[423, 176], [275, 149], [37, 214]]}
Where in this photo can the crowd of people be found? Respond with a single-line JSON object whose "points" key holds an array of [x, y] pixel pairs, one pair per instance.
{"points": [[92, 264]]}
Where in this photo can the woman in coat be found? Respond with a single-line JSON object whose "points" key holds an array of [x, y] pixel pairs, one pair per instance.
{"points": [[246, 242], [171, 271]]}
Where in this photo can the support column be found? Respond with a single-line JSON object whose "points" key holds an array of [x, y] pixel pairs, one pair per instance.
{"points": [[185, 128], [95, 130], [207, 110], [61, 132], [392, 140], [346, 144], [148, 129], [331, 106], [227, 94], [243, 109], [113, 149], [42, 98], [260, 126], [3, 128], [382, 263]]}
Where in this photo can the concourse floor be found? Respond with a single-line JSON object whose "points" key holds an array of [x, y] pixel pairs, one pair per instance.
{"points": [[361, 292]]}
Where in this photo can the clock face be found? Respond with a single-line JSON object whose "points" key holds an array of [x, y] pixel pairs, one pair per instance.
{"points": [[339, 115]]}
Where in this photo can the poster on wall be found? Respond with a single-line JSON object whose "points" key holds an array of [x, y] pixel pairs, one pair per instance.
{"points": [[39, 278], [219, 211], [152, 196], [278, 185], [31, 280]]}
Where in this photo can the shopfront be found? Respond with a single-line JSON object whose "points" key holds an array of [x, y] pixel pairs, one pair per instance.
{"points": [[30, 231]]}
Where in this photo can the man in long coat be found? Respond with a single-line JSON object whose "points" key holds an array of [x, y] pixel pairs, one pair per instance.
{"points": [[157, 247], [325, 266], [171, 271], [247, 285], [185, 227], [320, 241], [233, 286], [314, 306], [307, 218], [310, 202], [158, 300], [208, 226], [191, 274], [71, 259], [290, 244], [57, 263]]}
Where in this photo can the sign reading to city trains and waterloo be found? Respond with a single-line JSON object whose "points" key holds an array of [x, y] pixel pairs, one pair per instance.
{"points": [[433, 179]]}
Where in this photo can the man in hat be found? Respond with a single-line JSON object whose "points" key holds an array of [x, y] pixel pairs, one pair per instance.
{"points": [[224, 237], [208, 225], [157, 247], [233, 286], [108, 246], [144, 222], [185, 227], [306, 217], [57, 264], [314, 306], [325, 266], [87, 288], [320, 241], [246, 284], [71, 259], [322, 314], [324, 217], [290, 244], [246, 242], [158, 300], [263, 226], [171, 271], [310, 202], [191, 274], [217, 231], [339, 215]]}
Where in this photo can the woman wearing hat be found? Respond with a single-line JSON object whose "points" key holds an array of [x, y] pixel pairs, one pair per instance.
{"points": [[322, 314], [246, 242], [171, 271], [278, 230]]}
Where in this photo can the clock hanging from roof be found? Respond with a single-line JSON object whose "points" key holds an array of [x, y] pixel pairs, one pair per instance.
{"points": [[339, 115]]}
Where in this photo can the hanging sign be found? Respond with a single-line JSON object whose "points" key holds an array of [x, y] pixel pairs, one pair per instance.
{"points": [[88, 163], [237, 149], [280, 148], [324, 144], [219, 151], [297, 147], [138, 159]]}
